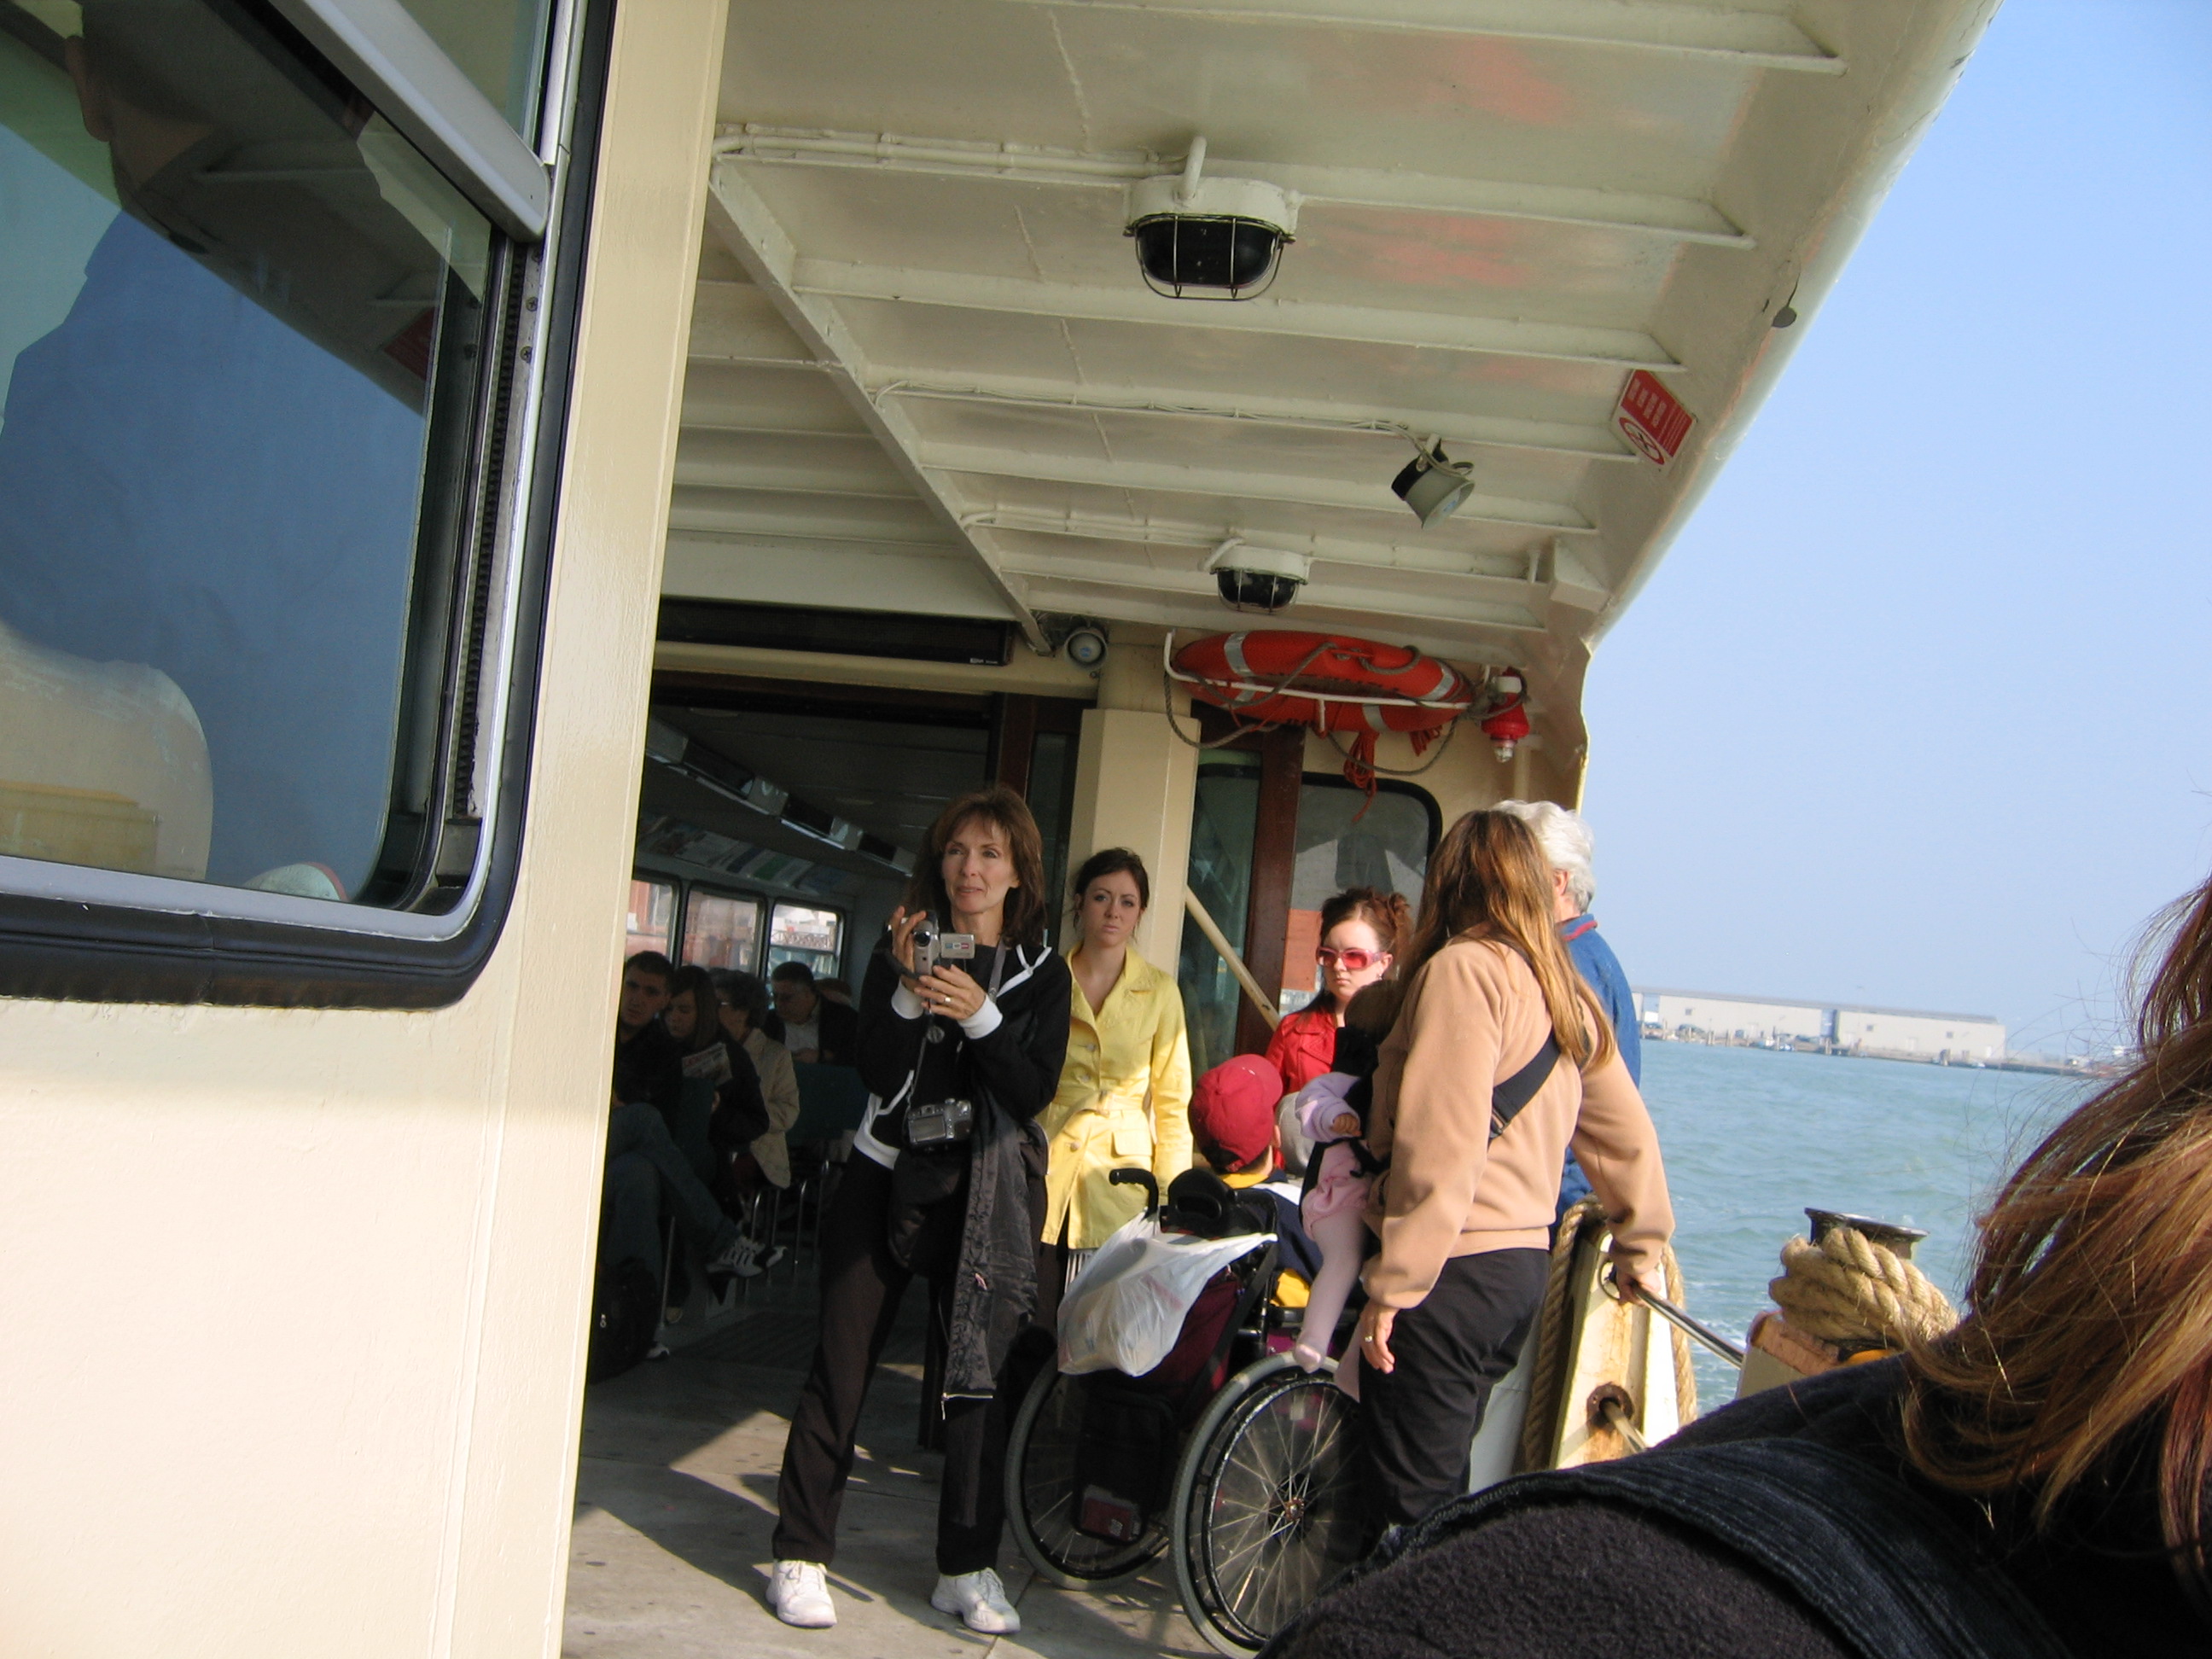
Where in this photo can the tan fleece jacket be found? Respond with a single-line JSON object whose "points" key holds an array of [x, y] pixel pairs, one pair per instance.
{"points": [[1473, 1016]]}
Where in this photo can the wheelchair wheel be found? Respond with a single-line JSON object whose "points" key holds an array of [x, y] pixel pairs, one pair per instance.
{"points": [[1266, 1506], [1041, 1495]]}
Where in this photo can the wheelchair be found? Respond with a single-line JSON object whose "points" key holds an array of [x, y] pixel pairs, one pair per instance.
{"points": [[1226, 1456]]}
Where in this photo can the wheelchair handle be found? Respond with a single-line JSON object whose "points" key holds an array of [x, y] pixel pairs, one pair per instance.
{"points": [[1130, 1175]]}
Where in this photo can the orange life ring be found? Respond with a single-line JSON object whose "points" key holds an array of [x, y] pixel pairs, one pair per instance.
{"points": [[1328, 683]]}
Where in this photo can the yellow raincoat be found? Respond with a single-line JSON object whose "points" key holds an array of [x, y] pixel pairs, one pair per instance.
{"points": [[1124, 1100]]}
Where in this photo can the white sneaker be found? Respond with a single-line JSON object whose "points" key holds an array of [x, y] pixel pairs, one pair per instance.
{"points": [[979, 1600], [798, 1595], [741, 1257]]}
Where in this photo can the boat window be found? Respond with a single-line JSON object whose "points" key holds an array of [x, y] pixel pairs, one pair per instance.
{"points": [[652, 921], [800, 933], [258, 360], [1343, 839], [719, 930], [1224, 815], [500, 44]]}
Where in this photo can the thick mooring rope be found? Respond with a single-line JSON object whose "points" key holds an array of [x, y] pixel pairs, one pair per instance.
{"points": [[1686, 1374], [1847, 1288], [1554, 1339]]}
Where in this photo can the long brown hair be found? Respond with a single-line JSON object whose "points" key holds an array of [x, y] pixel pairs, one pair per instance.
{"points": [[2090, 1300], [1489, 873], [1022, 921], [1388, 914]]}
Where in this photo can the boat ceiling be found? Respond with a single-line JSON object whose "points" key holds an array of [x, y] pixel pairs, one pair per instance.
{"points": [[927, 375]]}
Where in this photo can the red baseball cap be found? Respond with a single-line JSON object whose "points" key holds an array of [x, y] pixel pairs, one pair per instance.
{"points": [[1232, 1110]]}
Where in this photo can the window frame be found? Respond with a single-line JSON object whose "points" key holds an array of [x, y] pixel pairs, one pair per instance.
{"points": [[76, 933]]}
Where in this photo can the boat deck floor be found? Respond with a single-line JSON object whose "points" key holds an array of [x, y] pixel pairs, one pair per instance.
{"points": [[676, 1496]]}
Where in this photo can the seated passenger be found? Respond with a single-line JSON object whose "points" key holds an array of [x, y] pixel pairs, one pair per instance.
{"points": [[722, 1111], [2034, 1481], [816, 1030], [643, 1162], [744, 1013], [1232, 1125]]}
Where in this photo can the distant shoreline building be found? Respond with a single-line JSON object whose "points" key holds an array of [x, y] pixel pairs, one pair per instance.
{"points": [[1827, 1027]]}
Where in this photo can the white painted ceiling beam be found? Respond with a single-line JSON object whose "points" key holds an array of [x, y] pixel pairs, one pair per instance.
{"points": [[1490, 431], [1305, 491], [736, 214], [1757, 40], [1198, 591], [1672, 217], [1509, 336], [1502, 575], [878, 522]]}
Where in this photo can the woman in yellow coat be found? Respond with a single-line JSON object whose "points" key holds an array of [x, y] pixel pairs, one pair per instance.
{"points": [[1124, 1097]]}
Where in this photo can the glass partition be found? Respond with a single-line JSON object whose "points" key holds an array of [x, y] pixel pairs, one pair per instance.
{"points": [[802, 932], [1223, 817], [719, 930], [651, 915]]}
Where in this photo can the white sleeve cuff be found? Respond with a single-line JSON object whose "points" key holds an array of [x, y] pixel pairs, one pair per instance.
{"points": [[984, 1021], [905, 1004]]}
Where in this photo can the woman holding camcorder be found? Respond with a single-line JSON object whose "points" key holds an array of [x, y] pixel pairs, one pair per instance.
{"points": [[964, 1026]]}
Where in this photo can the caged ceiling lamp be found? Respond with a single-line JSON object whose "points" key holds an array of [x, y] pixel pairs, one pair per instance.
{"points": [[1209, 239], [1257, 579]]}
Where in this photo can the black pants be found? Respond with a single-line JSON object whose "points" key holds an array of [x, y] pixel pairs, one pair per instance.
{"points": [[861, 1285], [1451, 1350]]}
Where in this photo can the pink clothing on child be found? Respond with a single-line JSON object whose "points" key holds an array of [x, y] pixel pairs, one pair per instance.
{"points": [[1339, 1186]]}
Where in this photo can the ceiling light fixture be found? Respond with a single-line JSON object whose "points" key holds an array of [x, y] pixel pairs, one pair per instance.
{"points": [[1257, 578], [1209, 239]]}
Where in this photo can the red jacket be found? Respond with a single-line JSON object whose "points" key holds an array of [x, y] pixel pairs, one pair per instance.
{"points": [[1303, 1046]]}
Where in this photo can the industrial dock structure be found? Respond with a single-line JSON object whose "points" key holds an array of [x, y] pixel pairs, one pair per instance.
{"points": [[1825, 1027]]}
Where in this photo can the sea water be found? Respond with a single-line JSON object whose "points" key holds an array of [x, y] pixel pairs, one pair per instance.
{"points": [[1752, 1136]]}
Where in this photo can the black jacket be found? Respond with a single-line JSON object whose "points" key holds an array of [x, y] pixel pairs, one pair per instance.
{"points": [[1786, 1526], [649, 1068], [984, 1201], [1017, 1065]]}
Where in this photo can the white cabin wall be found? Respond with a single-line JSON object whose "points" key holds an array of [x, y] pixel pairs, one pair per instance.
{"points": [[295, 1301], [1135, 782]]}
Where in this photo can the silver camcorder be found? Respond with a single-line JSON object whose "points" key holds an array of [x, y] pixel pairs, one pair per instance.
{"points": [[932, 947], [946, 1123]]}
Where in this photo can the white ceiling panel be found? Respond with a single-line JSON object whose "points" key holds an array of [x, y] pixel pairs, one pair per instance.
{"points": [[922, 336]]}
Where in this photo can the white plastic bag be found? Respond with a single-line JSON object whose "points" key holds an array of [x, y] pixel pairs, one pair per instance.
{"points": [[1126, 1309]]}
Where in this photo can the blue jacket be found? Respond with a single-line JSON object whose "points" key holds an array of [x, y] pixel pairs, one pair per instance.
{"points": [[1594, 958]]}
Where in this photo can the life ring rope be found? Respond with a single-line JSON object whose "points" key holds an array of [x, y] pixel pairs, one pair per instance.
{"points": [[1283, 688], [1254, 698]]}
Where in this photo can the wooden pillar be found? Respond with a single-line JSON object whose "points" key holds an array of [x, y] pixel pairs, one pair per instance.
{"points": [[1274, 852], [1013, 742]]}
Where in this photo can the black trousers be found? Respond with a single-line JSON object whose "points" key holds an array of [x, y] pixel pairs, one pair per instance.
{"points": [[861, 1285], [1451, 1350]]}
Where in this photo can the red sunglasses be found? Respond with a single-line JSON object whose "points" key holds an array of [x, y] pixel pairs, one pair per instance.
{"points": [[1355, 960]]}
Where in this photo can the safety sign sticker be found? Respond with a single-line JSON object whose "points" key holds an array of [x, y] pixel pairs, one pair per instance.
{"points": [[1652, 417]]}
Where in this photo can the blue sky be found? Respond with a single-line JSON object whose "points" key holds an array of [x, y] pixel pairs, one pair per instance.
{"points": [[1916, 710]]}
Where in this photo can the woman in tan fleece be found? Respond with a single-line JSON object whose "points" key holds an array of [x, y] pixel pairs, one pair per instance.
{"points": [[1497, 1029]]}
